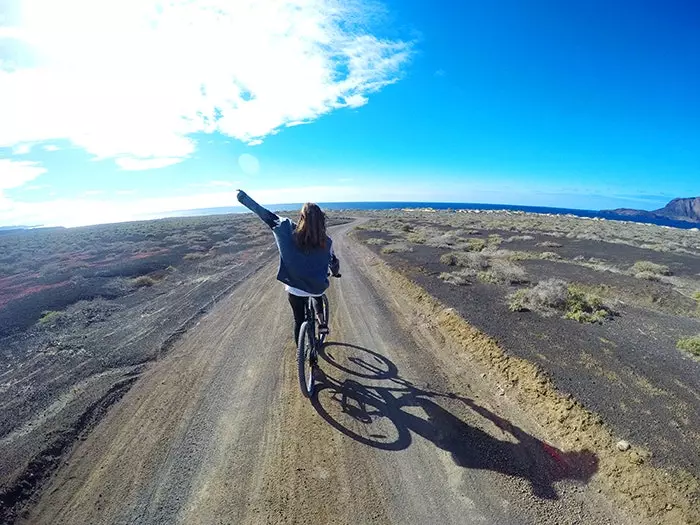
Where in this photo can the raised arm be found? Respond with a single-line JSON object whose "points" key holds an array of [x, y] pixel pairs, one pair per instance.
{"points": [[267, 216]]}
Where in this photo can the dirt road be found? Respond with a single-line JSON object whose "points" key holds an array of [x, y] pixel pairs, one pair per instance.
{"points": [[403, 430]]}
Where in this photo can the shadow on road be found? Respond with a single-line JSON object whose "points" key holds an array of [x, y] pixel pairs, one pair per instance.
{"points": [[375, 406]]}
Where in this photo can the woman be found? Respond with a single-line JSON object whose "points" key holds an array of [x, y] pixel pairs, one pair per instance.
{"points": [[306, 253]]}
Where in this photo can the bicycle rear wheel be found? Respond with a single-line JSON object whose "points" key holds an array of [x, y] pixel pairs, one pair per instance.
{"points": [[305, 356]]}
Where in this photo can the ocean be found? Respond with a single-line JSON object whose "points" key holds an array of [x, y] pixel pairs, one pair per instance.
{"points": [[456, 206]]}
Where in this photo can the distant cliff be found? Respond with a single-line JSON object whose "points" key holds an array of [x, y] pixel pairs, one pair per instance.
{"points": [[678, 209]]}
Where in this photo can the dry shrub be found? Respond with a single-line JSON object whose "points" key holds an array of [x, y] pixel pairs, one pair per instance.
{"points": [[545, 297], [194, 256], [502, 271], [460, 278], [519, 238], [397, 247], [143, 281], [550, 256], [556, 295], [649, 276], [648, 266], [375, 241], [474, 261], [549, 244]]}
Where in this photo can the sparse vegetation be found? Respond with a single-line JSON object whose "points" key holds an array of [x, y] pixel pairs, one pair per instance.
{"points": [[396, 248], [549, 244], [585, 307], [514, 238], [502, 271], [375, 241], [459, 278], [194, 256], [646, 267], [50, 317], [494, 239], [690, 344], [474, 261], [558, 295], [416, 238], [550, 256], [649, 276], [475, 245], [144, 281]]}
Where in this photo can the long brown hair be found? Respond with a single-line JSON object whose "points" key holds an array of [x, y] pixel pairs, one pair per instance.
{"points": [[310, 233]]}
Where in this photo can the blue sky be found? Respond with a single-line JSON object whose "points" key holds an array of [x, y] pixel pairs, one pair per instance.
{"points": [[570, 104]]}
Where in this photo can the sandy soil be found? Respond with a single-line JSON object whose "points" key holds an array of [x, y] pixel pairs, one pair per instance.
{"points": [[405, 428]]}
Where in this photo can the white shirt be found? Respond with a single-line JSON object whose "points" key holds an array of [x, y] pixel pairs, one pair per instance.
{"points": [[299, 293]]}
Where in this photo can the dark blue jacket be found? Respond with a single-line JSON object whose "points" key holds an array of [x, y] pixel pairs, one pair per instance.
{"points": [[307, 271]]}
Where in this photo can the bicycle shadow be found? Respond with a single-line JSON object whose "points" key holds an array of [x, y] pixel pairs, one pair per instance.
{"points": [[374, 396]]}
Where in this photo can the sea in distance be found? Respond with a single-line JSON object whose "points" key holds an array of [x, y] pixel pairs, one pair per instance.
{"points": [[452, 206]]}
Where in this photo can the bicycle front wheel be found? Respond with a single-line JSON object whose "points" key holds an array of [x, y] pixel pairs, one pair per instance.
{"points": [[305, 357]]}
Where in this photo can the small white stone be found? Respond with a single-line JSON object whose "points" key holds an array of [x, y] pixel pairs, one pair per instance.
{"points": [[623, 445]]}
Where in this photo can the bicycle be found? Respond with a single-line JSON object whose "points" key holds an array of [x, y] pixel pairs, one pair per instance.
{"points": [[311, 339]]}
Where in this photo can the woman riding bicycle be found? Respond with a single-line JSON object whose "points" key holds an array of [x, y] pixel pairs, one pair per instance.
{"points": [[306, 254]]}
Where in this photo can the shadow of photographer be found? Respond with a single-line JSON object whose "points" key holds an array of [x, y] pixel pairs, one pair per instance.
{"points": [[379, 409]]}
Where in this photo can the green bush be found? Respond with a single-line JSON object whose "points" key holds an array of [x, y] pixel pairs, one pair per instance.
{"points": [[690, 344], [648, 266], [475, 245], [584, 307]]}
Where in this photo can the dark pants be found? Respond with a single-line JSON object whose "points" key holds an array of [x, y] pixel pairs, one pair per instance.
{"points": [[298, 307]]}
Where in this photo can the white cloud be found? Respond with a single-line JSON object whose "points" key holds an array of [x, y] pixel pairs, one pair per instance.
{"points": [[14, 174], [82, 211], [223, 184], [21, 149], [132, 80], [51, 147], [142, 164]]}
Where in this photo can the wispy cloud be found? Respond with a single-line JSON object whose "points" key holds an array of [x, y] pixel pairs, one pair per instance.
{"points": [[133, 80], [15, 173], [21, 149], [51, 147]]}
